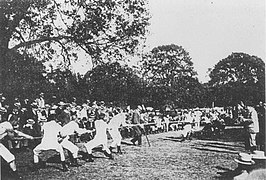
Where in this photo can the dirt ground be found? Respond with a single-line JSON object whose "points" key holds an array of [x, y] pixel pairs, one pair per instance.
{"points": [[166, 158]]}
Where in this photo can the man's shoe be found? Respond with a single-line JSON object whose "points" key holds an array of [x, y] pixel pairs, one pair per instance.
{"points": [[111, 149], [75, 163], [42, 164], [15, 175], [133, 142], [110, 156], [119, 150], [65, 169], [88, 158], [35, 167]]}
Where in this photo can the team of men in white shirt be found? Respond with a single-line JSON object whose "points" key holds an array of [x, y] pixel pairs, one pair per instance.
{"points": [[57, 137]]}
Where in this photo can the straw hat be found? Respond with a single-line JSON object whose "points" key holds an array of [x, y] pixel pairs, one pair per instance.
{"points": [[30, 121], [245, 159], [54, 107], [61, 103], [3, 110], [258, 155]]}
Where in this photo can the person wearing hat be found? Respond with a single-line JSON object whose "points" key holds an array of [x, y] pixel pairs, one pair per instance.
{"points": [[197, 116], [135, 120], [40, 100], [83, 112], [245, 165], [187, 128], [3, 111], [46, 112], [259, 159], [2, 100], [6, 129], [51, 131], [63, 113], [251, 125]]}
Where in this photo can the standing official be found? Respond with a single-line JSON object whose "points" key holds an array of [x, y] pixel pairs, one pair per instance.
{"points": [[251, 125], [135, 119]]}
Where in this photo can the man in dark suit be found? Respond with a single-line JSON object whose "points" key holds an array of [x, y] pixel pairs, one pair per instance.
{"points": [[135, 119]]}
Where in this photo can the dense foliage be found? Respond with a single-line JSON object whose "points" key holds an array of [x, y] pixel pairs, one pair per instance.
{"points": [[55, 31], [238, 77], [34, 34], [171, 78]]}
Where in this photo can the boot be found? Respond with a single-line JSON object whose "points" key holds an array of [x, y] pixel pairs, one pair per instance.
{"points": [[88, 158], [15, 175], [110, 156], [139, 141], [119, 150], [133, 141], [252, 149], [42, 164], [75, 163], [65, 169], [111, 149], [36, 166]]}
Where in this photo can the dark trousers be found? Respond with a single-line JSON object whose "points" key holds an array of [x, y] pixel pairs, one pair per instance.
{"points": [[137, 134]]}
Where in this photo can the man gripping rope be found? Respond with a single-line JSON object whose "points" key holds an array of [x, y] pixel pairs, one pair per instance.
{"points": [[49, 141], [67, 130], [6, 129], [113, 127], [100, 137]]}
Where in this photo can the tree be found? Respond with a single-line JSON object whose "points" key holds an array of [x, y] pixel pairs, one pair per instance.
{"points": [[25, 76], [170, 75], [164, 64], [62, 83], [48, 29], [238, 77], [115, 83]]}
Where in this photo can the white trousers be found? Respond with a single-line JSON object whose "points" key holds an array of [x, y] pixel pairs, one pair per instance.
{"points": [[70, 146], [6, 154], [97, 142], [187, 130], [116, 136], [45, 146]]}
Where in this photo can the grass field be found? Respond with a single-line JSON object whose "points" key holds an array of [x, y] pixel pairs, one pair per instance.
{"points": [[166, 158]]}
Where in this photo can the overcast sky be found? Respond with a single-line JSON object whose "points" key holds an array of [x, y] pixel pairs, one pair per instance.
{"points": [[209, 30]]}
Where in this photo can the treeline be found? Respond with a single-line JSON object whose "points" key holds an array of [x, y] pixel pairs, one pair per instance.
{"points": [[39, 40], [160, 83]]}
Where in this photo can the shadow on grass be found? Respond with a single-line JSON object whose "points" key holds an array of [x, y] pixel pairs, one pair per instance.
{"points": [[218, 146], [224, 144], [216, 150], [172, 138], [226, 173], [229, 135]]}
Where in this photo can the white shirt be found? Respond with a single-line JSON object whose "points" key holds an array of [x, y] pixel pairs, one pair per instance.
{"points": [[117, 121], [101, 128], [83, 113], [70, 128], [254, 116], [5, 126], [51, 131]]}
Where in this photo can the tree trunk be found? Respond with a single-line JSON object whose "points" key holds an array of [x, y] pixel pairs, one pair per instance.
{"points": [[4, 40]]}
